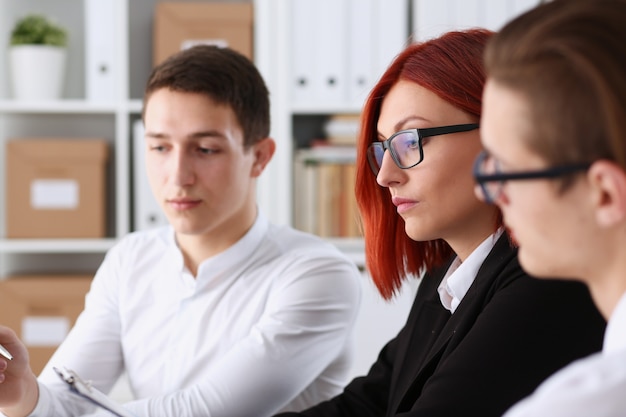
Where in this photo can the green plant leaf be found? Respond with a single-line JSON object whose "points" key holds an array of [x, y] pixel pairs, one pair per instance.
{"points": [[36, 29]]}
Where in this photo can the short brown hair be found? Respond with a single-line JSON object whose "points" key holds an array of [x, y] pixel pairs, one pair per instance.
{"points": [[225, 76], [567, 58]]}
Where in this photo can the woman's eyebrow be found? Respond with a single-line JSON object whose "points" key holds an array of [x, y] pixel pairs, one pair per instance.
{"points": [[401, 123]]}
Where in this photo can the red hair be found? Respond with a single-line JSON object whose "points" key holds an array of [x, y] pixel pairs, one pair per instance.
{"points": [[450, 66]]}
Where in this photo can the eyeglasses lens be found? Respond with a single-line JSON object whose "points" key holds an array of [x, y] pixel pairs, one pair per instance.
{"points": [[406, 146], [487, 165], [375, 153]]}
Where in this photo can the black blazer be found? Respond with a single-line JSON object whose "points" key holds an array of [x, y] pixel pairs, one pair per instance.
{"points": [[508, 334]]}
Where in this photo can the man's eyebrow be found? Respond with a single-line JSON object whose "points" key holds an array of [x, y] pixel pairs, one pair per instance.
{"points": [[195, 135], [207, 134], [155, 135]]}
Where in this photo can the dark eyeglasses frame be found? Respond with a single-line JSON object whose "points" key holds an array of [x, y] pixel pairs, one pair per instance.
{"points": [[501, 177], [420, 133]]}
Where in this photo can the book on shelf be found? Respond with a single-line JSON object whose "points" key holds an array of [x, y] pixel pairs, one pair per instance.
{"points": [[342, 129], [351, 225], [325, 203]]}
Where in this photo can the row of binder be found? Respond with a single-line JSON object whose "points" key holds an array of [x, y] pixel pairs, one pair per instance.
{"points": [[340, 48], [432, 18]]}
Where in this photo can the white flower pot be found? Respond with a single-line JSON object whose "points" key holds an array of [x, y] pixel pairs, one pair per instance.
{"points": [[37, 71]]}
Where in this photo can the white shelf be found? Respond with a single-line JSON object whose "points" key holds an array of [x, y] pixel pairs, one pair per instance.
{"points": [[336, 154], [56, 245], [57, 106], [325, 108], [134, 106], [73, 116]]}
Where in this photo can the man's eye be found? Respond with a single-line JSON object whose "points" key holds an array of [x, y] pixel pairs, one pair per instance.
{"points": [[208, 151]]}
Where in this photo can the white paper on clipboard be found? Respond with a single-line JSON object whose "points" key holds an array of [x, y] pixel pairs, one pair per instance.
{"points": [[87, 391]]}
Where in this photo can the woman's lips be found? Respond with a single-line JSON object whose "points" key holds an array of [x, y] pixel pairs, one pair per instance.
{"points": [[403, 204]]}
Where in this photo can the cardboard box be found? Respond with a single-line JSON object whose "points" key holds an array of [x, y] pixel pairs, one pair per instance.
{"points": [[56, 188], [42, 309], [178, 26]]}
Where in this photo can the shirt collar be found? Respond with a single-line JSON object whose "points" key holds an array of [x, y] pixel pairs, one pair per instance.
{"points": [[614, 336], [237, 253], [241, 250], [461, 275]]}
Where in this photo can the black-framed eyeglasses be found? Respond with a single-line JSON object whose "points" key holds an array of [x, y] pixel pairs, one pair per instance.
{"points": [[406, 147], [491, 179]]}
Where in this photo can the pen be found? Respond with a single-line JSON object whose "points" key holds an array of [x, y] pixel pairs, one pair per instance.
{"points": [[5, 353]]}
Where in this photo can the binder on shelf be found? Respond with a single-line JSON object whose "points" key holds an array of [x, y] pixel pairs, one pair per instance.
{"points": [[302, 50], [339, 61], [392, 32], [331, 50], [147, 213], [319, 51], [434, 18], [520, 6], [431, 18], [102, 72], [495, 15], [361, 66], [468, 14]]}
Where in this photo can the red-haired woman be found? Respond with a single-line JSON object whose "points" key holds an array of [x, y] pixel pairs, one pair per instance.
{"points": [[481, 333]]}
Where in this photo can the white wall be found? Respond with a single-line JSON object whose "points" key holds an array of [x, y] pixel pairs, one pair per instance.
{"points": [[379, 321]]}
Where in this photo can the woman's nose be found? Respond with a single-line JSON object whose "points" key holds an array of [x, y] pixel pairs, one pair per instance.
{"points": [[389, 172]]}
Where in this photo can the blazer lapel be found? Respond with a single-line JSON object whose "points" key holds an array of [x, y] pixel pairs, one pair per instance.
{"points": [[426, 319], [462, 320]]}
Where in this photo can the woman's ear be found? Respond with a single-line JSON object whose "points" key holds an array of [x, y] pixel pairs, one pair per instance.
{"points": [[263, 152], [608, 180]]}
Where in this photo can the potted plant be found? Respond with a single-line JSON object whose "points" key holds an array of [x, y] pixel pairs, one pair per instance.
{"points": [[37, 55]]}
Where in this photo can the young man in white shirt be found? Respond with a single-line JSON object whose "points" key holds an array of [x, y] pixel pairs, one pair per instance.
{"points": [[221, 313]]}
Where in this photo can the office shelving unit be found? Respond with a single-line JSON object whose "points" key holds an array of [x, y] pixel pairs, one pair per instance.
{"points": [[77, 116]]}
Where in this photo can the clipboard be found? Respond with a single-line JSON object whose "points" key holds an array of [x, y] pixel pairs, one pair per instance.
{"points": [[87, 391]]}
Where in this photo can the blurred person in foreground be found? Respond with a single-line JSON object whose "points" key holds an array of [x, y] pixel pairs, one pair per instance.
{"points": [[554, 129]]}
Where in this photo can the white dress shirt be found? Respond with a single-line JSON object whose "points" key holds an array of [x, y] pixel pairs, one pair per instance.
{"points": [[461, 275], [591, 387], [264, 327]]}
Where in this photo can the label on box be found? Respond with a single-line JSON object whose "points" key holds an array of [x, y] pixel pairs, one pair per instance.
{"points": [[54, 194], [44, 331], [188, 43]]}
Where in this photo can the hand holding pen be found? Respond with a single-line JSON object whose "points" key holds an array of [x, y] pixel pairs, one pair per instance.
{"points": [[18, 384], [4, 352]]}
